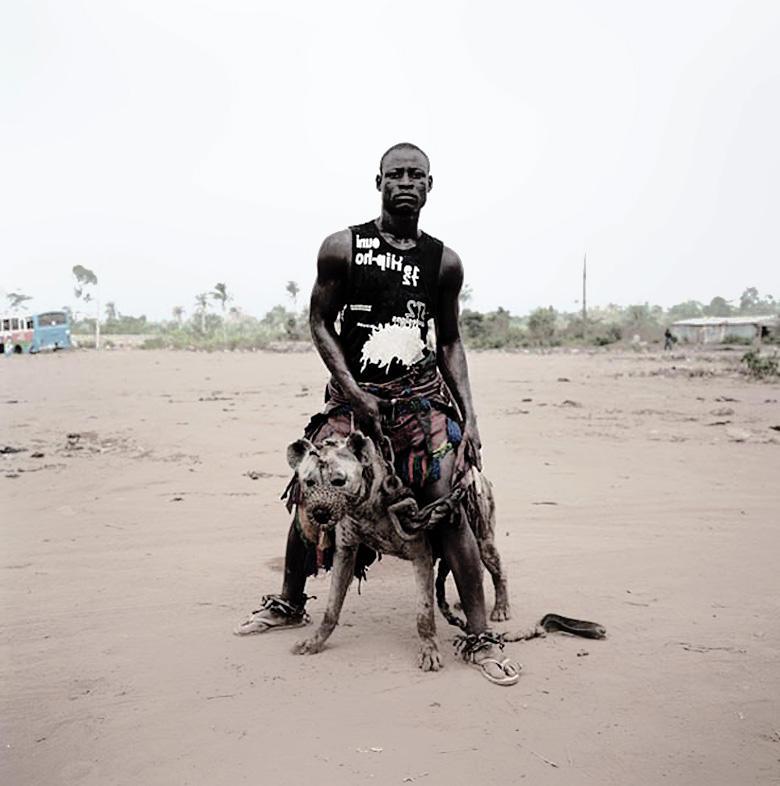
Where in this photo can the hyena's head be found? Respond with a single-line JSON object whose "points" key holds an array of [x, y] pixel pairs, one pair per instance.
{"points": [[331, 475]]}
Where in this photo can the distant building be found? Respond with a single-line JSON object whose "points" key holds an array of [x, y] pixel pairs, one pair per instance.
{"points": [[719, 330]]}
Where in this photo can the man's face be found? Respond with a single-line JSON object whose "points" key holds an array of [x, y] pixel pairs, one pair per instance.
{"points": [[404, 181]]}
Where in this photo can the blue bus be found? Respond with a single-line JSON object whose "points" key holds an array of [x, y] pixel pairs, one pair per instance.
{"points": [[36, 333]]}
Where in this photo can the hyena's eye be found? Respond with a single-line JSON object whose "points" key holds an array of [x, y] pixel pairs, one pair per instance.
{"points": [[338, 481], [310, 482]]}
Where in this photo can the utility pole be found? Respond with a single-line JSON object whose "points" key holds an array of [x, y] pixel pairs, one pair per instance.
{"points": [[97, 318], [584, 290]]}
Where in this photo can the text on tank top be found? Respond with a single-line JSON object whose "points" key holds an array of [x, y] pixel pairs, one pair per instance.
{"points": [[391, 296]]}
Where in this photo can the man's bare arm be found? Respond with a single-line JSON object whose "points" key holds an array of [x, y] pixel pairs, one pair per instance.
{"points": [[327, 299], [451, 356]]}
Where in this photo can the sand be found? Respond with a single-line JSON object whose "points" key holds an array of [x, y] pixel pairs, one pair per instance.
{"points": [[637, 490]]}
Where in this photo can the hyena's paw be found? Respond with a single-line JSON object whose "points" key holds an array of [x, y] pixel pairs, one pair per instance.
{"points": [[429, 658], [309, 646], [501, 612]]}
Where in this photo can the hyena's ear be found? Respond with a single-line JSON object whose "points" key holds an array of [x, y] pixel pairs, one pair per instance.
{"points": [[359, 444], [297, 452]]}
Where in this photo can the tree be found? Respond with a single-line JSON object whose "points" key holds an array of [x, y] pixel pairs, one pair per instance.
{"points": [[17, 299], [111, 313], [466, 295], [718, 307], [643, 320], [221, 295], [276, 318], [687, 310], [292, 290], [202, 303], [750, 302], [541, 324], [86, 278], [473, 324], [178, 314]]}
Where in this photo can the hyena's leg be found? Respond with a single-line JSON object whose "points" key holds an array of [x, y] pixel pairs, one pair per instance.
{"points": [[488, 551], [429, 658], [492, 561], [341, 578]]}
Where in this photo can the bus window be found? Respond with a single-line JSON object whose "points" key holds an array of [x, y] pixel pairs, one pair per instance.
{"points": [[51, 318], [29, 323], [6, 324], [14, 323]]}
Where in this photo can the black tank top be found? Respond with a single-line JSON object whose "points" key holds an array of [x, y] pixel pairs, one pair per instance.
{"points": [[391, 296]]}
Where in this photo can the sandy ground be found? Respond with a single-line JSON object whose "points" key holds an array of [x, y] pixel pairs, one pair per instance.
{"points": [[624, 497]]}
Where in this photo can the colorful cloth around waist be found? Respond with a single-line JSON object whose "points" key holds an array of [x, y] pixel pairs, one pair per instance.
{"points": [[418, 416], [421, 438]]}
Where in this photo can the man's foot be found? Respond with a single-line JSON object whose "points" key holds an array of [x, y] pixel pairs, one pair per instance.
{"points": [[483, 651], [275, 613]]}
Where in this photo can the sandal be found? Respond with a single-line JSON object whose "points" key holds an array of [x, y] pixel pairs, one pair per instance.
{"points": [[499, 672], [275, 613]]}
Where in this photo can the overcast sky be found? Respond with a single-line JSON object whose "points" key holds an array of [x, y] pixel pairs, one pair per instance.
{"points": [[171, 145]]}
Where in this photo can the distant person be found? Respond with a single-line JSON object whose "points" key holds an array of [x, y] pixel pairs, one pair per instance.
{"points": [[384, 281], [669, 340]]}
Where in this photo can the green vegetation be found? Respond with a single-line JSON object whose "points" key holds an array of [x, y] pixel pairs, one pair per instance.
{"points": [[761, 366], [236, 331], [229, 327]]}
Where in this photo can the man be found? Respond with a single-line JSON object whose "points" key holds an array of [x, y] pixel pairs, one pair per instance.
{"points": [[381, 283], [669, 339]]}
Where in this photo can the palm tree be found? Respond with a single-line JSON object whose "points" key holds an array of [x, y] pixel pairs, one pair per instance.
{"points": [[86, 278], [16, 299], [292, 290], [202, 302], [111, 313], [221, 295], [178, 314]]}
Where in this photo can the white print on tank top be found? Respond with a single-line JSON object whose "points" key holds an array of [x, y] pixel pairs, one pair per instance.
{"points": [[387, 262], [415, 315], [367, 242], [389, 342]]}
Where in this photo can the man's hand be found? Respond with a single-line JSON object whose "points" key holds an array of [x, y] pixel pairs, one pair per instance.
{"points": [[367, 414], [471, 446]]}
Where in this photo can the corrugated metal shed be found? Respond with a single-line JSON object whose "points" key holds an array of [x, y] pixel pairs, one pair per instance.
{"points": [[716, 330]]}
